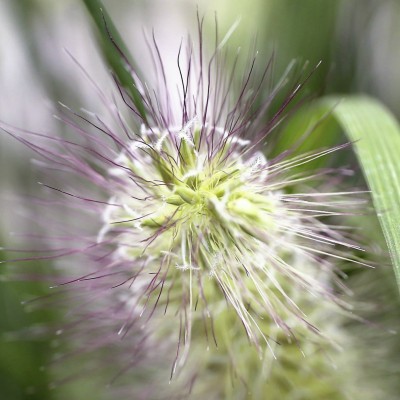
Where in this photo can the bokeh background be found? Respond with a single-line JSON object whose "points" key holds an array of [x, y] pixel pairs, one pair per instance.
{"points": [[357, 41]]}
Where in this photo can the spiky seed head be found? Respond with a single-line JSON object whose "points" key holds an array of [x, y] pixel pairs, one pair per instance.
{"points": [[201, 233]]}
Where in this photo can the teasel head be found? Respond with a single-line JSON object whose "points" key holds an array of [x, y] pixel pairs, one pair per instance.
{"points": [[202, 241]]}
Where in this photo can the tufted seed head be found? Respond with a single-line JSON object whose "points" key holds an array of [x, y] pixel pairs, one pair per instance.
{"points": [[203, 239]]}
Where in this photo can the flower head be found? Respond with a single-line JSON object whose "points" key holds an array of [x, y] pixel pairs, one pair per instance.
{"points": [[201, 236]]}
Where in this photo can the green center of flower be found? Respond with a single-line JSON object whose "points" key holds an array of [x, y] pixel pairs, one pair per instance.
{"points": [[201, 191], [190, 198]]}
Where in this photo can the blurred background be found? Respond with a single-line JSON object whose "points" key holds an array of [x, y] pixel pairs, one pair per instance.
{"points": [[357, 41]]}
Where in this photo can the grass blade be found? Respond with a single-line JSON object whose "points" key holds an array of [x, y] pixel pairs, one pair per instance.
{"points": [[115, 52], [377, 144]]}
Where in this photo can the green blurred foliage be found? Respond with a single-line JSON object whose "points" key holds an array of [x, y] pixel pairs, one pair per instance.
{"points": [[22, 356], [308, 30]]}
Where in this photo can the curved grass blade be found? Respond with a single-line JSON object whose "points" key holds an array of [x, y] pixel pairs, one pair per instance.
{"points": [[115, 52], [376, 134]]}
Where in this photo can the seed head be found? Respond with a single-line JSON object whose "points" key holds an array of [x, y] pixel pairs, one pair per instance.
{"points": [[202, 236], [205, 223]]}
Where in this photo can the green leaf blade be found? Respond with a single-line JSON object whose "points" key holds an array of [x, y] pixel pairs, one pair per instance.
{"points": [[112, 45], [376, 136]]}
